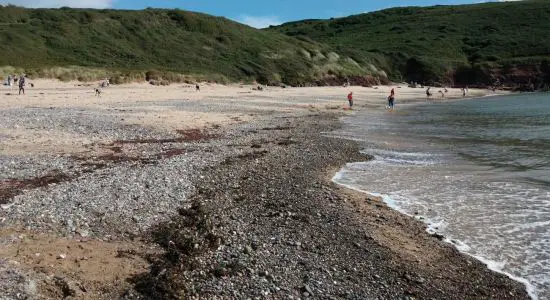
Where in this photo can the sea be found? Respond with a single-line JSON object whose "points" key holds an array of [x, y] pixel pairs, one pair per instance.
{"points": [[476, 171]]}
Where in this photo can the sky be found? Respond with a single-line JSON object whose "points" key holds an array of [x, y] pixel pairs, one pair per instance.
{"points": [[255, 13]]}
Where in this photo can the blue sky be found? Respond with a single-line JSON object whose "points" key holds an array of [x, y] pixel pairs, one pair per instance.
{"points": [[256, 13]]}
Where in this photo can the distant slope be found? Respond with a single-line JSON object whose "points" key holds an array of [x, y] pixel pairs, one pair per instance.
{"points": [[163, 40], [483, 43]]}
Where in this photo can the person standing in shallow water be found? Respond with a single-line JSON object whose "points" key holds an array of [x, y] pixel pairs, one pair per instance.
{"points": [[22, 84], [391, 99], [350, 99]]}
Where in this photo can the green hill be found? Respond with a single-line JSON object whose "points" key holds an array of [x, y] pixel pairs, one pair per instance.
{"points": [[161, 43], [468, 44]]}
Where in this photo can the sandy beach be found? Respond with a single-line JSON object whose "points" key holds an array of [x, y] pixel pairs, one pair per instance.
{"points": [[169, 108], [166, 192]]}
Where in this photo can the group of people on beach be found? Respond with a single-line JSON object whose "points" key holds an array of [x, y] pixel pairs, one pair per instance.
{"points": [[391, 99], [445, 91], [21, 82]]}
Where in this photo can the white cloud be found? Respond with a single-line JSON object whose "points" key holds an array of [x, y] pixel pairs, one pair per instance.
{"points": [[60, 3], [259, 22]]}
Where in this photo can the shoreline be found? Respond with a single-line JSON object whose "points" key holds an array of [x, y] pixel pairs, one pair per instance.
{"points": [[530, 289], [408, 268], [459, 245], [243, 209]]}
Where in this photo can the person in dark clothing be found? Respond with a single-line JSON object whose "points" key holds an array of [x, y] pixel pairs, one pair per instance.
{"points": [[22, 84], [391, 99], [391, 102]]}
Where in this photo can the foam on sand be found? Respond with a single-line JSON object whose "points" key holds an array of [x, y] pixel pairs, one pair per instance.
{"points": [[432, 228]]}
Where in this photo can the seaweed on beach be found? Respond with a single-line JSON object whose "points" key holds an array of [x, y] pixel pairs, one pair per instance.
{"points": [[185, 238], [171, 153], [149, 141], [193, 135], [103, 161], [276, 128], [186, 135], [9, 188]]}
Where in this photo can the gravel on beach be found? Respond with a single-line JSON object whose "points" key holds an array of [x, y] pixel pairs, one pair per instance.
{"points": [[248, 211]]}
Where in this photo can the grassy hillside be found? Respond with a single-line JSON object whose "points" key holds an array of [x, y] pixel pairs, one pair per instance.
{"points": [[483, 43], [169, 42]]}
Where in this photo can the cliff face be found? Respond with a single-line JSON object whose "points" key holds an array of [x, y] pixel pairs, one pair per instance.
{"points": [[524, 77]]}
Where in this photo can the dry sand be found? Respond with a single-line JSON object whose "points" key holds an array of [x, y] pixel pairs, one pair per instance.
{"points": [[179, 106]]}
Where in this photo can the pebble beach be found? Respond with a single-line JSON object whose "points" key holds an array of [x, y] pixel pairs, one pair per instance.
{"points": [[153, 192]]}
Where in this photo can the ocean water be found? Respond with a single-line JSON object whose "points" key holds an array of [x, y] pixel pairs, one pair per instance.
{"points": [[477, 171]]}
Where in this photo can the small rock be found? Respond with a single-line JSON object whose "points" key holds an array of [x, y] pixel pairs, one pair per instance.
{"points": [[84, 233], [31, 288], [62, 256], [307, 289], [439, 236], [6, 206], [419, 280]]}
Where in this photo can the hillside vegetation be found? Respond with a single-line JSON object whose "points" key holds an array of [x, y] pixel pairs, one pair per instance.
{"points": [[162, 44], [487, 43]]}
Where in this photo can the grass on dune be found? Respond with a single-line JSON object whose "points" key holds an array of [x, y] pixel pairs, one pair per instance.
{"points": [[168, 41]]}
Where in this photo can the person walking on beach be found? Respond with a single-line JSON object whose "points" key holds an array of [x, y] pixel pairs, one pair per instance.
{"points": [[350, 99], [9, 79], [22, 84], [428, 93]]}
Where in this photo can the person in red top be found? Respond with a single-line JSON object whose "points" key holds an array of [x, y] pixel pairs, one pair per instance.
{"points": [[350, 99]]}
